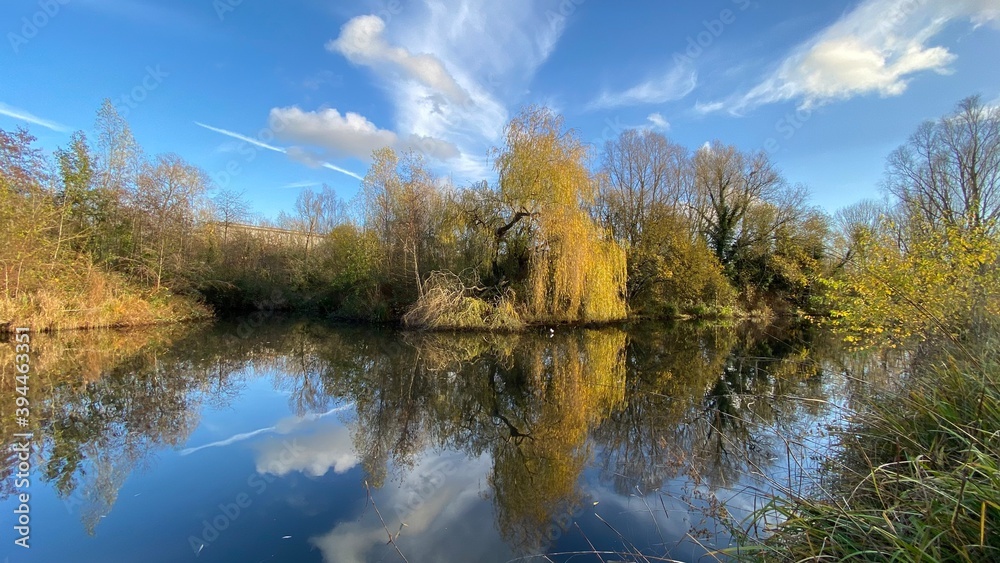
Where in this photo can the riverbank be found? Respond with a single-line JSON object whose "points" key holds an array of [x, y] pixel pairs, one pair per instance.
{"points": [[94, 299], [917, 474]]}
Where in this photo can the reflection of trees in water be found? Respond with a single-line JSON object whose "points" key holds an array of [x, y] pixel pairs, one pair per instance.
{"points": [[657, 403], [527, 400], [103, 402], [572, 383], [704, 403]]}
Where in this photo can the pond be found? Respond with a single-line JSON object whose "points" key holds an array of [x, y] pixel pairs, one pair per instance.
{"points": [[268, 439]]}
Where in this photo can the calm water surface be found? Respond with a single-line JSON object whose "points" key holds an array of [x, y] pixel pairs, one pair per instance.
{"points": [[269, 440]]}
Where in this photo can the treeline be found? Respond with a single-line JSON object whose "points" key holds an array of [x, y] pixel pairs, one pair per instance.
{"points": [[654, 230], [566, 233], [94, 235]]}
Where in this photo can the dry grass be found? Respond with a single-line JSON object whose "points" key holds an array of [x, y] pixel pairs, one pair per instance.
{"points": [[74, 296], [448, 303]]}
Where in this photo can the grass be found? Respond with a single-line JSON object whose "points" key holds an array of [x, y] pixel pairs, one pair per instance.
{"points": [[71, 296], [916, 477], [447, 303]]}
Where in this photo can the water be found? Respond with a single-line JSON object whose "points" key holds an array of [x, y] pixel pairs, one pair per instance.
{"points": [[275, 440]]}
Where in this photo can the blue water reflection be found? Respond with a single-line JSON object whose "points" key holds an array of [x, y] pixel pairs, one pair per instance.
{"points": [[304, 442]]}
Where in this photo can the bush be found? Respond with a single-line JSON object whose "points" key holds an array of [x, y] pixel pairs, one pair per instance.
{"points": [[446, 303]]}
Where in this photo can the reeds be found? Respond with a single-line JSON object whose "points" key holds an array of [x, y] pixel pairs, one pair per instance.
{"points": [[916, 477]]}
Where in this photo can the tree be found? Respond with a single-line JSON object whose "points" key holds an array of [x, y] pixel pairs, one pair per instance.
{"points": [[576, 272], [643, 174], [740, 200], [925, 265], [26, 210], [948, 172], [22, 166], [117, 164], [230, 207], [119, 155], [401, 205], [645, 180], [79, 201], [169, 197]]}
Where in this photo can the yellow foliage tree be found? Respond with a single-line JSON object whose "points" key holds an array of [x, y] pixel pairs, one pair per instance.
{"points": [[941, 284], [577, 273]]}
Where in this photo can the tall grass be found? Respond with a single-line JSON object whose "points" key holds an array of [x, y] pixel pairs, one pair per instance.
{"points": [[916, 477], [73, 295]]}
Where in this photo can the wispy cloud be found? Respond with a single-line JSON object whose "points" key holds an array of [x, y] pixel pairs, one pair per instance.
{"points": [[282, 150], [23, 115], [876, 48], [244, 138], [282, 427], [452, 68], [677, 83]]}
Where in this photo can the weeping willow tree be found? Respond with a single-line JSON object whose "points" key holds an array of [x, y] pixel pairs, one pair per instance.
{"points": [[572, 383], [576, 273]]}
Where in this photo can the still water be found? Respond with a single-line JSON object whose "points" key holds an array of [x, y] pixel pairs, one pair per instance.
{"points": [[265, 439]]}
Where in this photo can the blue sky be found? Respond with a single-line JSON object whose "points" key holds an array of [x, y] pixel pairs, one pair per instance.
{"points": [[271, 97]]}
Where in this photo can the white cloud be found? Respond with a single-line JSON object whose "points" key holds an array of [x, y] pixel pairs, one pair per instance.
{"points": [[347, 135], [441, 501], [658, 121], [350, 134], [677, 83], [451, 68], [362, 41], [877, 48], [312, 445], [23, 115], [298, 185], [709, 107], [437, 148]]}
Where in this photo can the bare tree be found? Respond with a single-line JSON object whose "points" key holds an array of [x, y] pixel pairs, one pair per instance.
{"points": [[399, 200], [316, 213], [740, 199], [948, 172], [642, 172], [168, 198], [230, 207]]}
